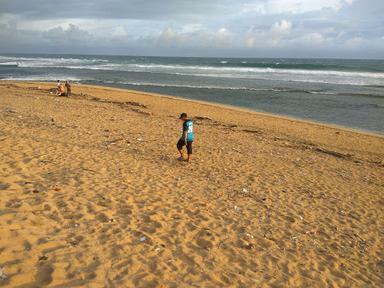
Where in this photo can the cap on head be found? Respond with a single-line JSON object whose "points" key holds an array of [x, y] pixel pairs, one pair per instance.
{"points": [[183, 115]]}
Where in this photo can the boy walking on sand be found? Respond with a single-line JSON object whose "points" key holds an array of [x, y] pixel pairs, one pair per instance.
{"points": [[186, 137]]}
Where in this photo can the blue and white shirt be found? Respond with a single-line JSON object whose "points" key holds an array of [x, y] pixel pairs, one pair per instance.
{"points": [[188, 127]]}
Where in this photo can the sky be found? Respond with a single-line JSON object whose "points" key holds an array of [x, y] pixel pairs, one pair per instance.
{"points": [[232, 28]]}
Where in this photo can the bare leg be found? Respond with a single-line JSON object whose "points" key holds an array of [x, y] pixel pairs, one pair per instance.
{"points": [[181, 154]]}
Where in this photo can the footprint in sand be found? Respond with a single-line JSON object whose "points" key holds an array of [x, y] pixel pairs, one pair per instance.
{"points": [[44, 274], [4, 186]]}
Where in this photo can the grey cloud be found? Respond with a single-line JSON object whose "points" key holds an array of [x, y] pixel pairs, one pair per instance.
{"points": [[194, 28], [72, 34], [113, 9]]}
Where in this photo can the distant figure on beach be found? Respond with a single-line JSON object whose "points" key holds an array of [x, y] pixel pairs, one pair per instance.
{"points": [[58, 83], [186, 137], [60, 89], [68, 88]]}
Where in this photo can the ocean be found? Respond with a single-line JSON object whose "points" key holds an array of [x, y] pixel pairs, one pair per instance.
{"points": [[349, 93]]}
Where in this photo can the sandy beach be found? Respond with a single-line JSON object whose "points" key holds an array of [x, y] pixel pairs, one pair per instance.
{"points": [[92, 195]]}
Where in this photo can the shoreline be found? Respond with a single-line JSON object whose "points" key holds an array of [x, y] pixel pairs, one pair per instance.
{"points": [[216, 104], [246, 110]]}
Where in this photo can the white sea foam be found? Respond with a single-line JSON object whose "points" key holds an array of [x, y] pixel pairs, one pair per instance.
{"points": [[260, 73], [8, 63], [43, 78], [296, 75], [194, 86], [40, 62], [167, 85], [318, 76]]}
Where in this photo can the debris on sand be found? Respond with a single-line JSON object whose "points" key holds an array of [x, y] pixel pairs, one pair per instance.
{"points": [[4, 186], [9, 110], [43, 258], [3, 276], [141, 112], [112, 142], [202, 118]]}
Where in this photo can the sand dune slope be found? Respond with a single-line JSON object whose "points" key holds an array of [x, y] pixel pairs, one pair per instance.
{"points": [[92, 195]]}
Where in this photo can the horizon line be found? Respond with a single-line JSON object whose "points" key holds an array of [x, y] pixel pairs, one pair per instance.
{"points": [[170, 56]]}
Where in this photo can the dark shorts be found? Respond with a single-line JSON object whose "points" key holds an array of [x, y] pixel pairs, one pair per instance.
{"points": [[181, 144]]}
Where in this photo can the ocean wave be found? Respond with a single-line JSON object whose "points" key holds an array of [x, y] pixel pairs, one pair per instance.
{"points": [[277, 71], [7, 64], [327, 77], [100, 64], [212, 87], [242, 70], [197, 86], [232, 88], [54, 77], [43, 78], [332, 77], [40, 62]]}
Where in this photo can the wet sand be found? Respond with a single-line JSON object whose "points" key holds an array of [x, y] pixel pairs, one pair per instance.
{"points": [[92, 195]]}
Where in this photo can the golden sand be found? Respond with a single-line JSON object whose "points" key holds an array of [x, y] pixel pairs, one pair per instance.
{"points": [[92, 195]]}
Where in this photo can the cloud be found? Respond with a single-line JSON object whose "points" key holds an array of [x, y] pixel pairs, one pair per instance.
{"points": [[258, 28], [202, 38], [167, 35], [119, 32], [268, 38], [281, 28], [314, 38], [72, 34], [294, 6], [112, 9]]}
